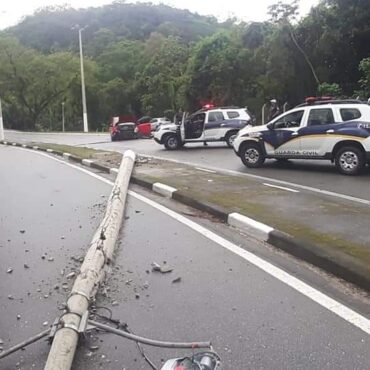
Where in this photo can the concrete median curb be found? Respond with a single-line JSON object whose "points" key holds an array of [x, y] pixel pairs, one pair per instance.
{"points": [[335, 263]]}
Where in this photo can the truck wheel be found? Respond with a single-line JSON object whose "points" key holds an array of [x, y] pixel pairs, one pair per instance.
{"points": [[350, 160], [172, 142], [229, 138], [252, 156]]}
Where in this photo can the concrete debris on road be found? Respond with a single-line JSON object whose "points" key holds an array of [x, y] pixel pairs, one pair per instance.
{"points": [[51, 259], [22, 231], [78, 259], [9, 270], [71, 275], [158, 268], [26, 266], [177, 280]]}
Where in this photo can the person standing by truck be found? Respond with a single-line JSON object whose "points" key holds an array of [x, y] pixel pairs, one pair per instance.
{"points": [[274, 109], [178, 116]]}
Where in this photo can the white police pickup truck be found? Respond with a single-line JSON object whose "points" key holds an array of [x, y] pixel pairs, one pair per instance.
{"points": [[205, 125], [335, 130]]}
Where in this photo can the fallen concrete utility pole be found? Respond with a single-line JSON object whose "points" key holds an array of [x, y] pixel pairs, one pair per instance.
{"points": [[92, 271]]}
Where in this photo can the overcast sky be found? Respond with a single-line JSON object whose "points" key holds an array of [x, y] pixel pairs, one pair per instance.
{"points": [[12, 11]]}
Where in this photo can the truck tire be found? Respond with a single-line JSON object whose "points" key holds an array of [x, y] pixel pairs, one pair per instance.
{"points": [[172, 142], [350, 160], [252, 155], [230, 137]]}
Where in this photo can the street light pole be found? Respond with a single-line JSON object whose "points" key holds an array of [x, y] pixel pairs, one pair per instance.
{"points": [[1, 123], [63, 116], [84, 109]]}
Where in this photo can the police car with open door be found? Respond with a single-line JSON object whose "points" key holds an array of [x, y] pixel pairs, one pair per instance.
{"points": [[321, 128], [206, 125]]}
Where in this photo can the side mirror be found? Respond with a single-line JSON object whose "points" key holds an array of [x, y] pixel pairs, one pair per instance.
{"points": [[270, 126]]}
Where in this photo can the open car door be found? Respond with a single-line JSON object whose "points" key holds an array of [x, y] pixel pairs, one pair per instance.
{"points": [[182, 126]]}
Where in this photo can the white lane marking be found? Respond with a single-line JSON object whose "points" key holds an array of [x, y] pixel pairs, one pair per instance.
{"points": [[205, 170], [323, 300], [282, 182], [281, 187], [315, 295]]}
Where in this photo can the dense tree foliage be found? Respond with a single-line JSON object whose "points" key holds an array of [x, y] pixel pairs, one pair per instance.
{"points": [[143, 59]]}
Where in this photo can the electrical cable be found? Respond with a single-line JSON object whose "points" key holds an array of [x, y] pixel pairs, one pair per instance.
{"points": [[151, 342], [124, 326]]}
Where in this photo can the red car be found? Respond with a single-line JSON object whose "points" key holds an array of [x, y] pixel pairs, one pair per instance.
{"points": [[126, 127]]}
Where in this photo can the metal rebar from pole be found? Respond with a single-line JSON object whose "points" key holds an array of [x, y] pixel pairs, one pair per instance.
{"points": [[91, 273], [25, 343], [2, 137], [150, 342], [84, 109]]}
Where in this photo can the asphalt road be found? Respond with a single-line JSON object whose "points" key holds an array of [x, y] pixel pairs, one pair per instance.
{"points": [[316, 174], [254, 320]]}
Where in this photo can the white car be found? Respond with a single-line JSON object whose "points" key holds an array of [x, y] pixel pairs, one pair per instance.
{"points": [[156, 122], [335, 130], [205, 125]]}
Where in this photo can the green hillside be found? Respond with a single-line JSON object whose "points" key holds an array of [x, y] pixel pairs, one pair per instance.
{"points": [[145, 59]]}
